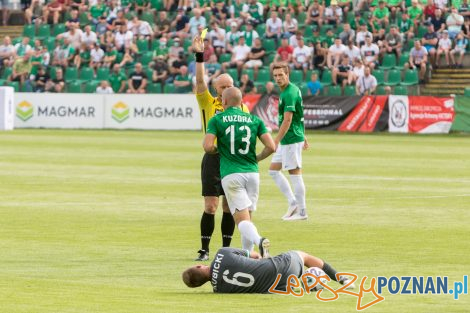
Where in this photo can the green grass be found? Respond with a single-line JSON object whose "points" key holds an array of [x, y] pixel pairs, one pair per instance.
{"points": [[105, 221]]}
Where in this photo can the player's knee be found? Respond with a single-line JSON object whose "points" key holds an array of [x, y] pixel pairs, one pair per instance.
{"points": [[210, 208]]}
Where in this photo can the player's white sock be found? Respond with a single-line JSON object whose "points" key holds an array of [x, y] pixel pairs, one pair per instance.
{"points": [[248, 230], [247, 244], [299, 190], [283, 184]]}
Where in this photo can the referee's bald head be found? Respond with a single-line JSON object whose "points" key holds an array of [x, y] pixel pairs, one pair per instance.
{"points": [[222, 82], [231, 97]]}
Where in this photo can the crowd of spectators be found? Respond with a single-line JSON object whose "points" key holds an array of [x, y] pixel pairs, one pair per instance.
{"points": [[139, 46]]}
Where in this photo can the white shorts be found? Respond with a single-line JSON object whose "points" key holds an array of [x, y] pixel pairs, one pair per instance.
{"points": [[253, 63], [241, 191], [289, 155]]}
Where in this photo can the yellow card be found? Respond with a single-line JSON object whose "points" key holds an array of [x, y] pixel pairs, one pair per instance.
{"points": [[203, 33]]}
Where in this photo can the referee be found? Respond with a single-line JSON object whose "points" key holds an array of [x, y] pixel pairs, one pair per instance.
{"points": [[210, 167]]}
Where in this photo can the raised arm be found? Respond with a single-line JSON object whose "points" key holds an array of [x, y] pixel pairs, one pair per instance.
{"points": [[198, 48]]}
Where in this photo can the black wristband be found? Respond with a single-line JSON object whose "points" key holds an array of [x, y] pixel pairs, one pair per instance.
{"points": [[199, 57]]}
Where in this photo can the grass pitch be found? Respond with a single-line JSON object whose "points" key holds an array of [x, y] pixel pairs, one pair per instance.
{"points": [[105, 221]]}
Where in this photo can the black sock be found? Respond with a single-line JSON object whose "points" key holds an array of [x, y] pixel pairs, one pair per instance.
{"points": [[228, 227], [207, 228], [331, 272]]}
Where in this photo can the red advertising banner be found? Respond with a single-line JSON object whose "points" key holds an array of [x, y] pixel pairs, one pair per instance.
{"points": [[365, 116], [430, 114]]}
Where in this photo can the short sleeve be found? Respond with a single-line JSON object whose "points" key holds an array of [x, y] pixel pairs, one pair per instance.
{"points": [[261, 128], [212, 126], [204, 99], [289, 102]]}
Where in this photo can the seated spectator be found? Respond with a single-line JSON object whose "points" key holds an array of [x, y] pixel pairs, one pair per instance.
{"points": [[302, 57], [464, 9], [274, 27], [118, 21], [220, 12], [208, 49], [21, 69], [58, 83], [117, 79], [140, 29], [438, 21], [361, 34], [137, 81], [406, 27], [162, 49], [160, 70], [343, 73], [345, 5], [392, 43], [394, 6], [443, 5], [53, 9], [33, 14], [429, 41], [429, 10], [246, 85], [252, 11], [271, 89], [294, 40], [255, 57], [314, 86], [96, 57], [444, 46], [97, 10], [347, 34], [239, 56], [127, 5], [231, 38], [78, 5], [181, 25], [213, 68], [162, 28], [250, 35], [289, 26], [74, 35], [352, 52], [82, 57], [283, 53], [104, 88], [110, 56], [141, 6], [196, 22], [235, 12], [22, 47], [63, 54], [182, 81], [454, 23], [175, 66], [330, 37], [124, 39], [217, 37], [73, 20], [461, 44], [315, 14], [89, 37], [40, 80], [335, 53], [175, 50], [381, 14], [370, 53], [366, 84], [358, 69], [320, 56], [418, 60], [7, 52], [333, 14], [415, 13], [466, 28]]}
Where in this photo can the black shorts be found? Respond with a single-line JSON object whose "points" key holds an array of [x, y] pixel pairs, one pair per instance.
{"points": [[210, 176]]}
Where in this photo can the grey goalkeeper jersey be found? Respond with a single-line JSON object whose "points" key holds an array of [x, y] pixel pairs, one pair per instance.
{"points": [[232, 271]]}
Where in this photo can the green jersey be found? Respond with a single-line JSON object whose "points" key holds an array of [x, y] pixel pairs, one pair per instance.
{"points": [[290, 100], [415, 12], [381, 13], [236, 133]]}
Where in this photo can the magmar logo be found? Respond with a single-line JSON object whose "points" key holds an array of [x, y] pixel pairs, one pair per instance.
{"points": [[24, 111], [120, 112]]}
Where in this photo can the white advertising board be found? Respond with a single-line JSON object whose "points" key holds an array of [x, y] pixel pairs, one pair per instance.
{"points": [[7, 109]]}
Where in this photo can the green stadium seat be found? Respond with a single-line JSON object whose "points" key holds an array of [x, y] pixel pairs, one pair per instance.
{"points": [[102, 73], [90, 86], [301, 18], [296, 76], [308, 32], [156, 4], [269, 45], [379, 76], [6, 72], [350, 90], [169, 88], [15, 85], [394, 78], [148, 17], [261, 29], [149, 72], [83, 18], [269, 58], [380, 91], [44, 31], [146, 58], [263, 75], [142, 45], [422, 30], [324, 29], [74, 87], [411, 78], [334, 91], [326, 78], [233, 72], [52, 72], [260, 87], [16, 40], [154, 88], [401, 91], [225, 57], [87, 74], [404, 58], [71, 73], [50, 43], [250, 73], [29, 31], [389, 61], [303, 89], [350, 17], [466, 92]]}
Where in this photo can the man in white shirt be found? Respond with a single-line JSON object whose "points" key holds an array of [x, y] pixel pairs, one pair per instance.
{"points": [[445, 44], [418, 59], [454, 23], [302, 57], [123, 38], [274, 27], [239, 56], [89, 37], [232, 37], [7, 52], [333, 14], [370, 53], [352, 52], [366, 84], [335, 52], [197, 21], [104, 88], [96, 56], [361, 34], [74, 35], [217, 36]]}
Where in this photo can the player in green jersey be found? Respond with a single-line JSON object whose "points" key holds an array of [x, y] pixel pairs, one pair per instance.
{"points": [[290, 141], [236, 133]]}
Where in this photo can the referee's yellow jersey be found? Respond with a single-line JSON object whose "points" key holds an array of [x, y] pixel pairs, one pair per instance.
{"points": [[211, 106]]}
